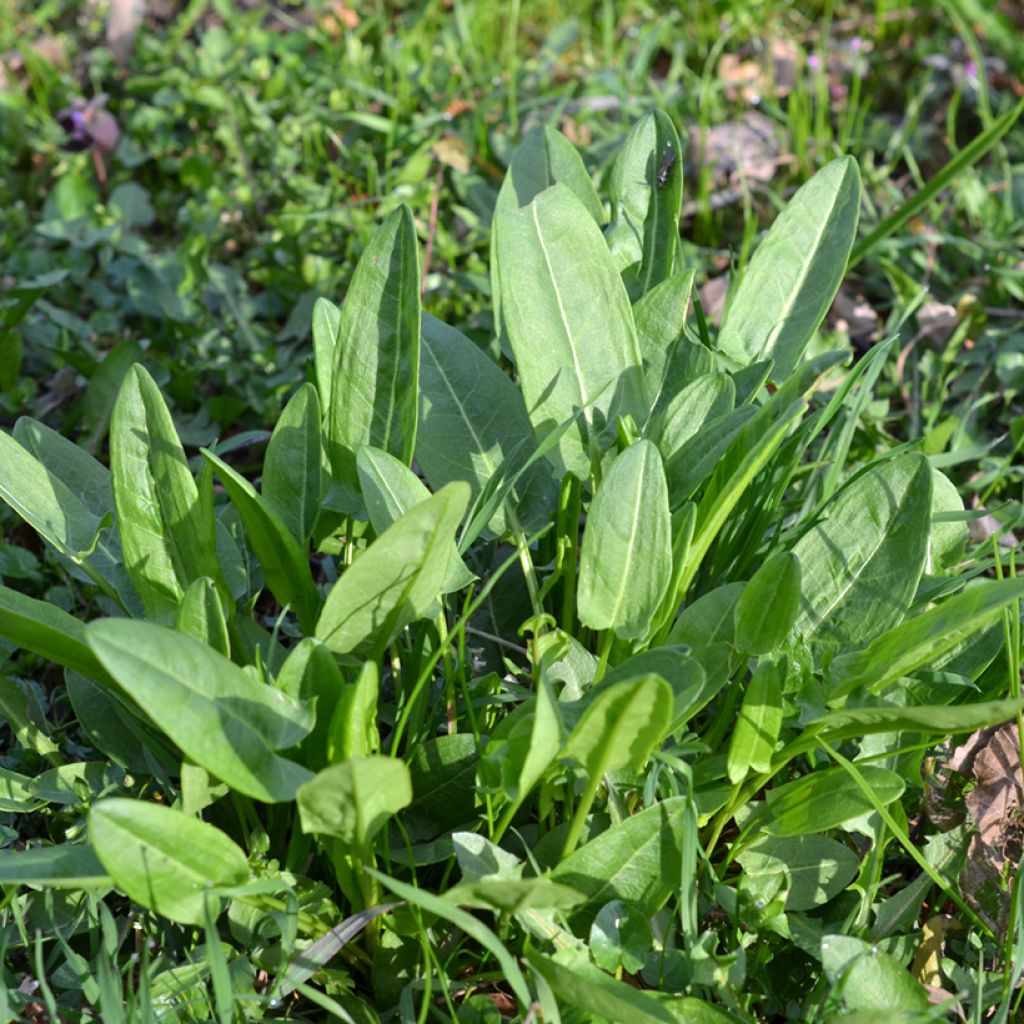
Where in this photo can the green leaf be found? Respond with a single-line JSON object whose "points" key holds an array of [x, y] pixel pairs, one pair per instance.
{"points": [[354, 800], [292, 481], [621, 725], [861, 563], [638, 860], [626, 557], [162, 858], [283, 561], [646, 191], [353, 725], [70, 866], [757, 727], [700, 402], [390, 489], [619, 938], [815, 869], [868, 979], [660, 317], [696, 458], [923, 638], [311, 673], [443, 770], [43, 628], [219, 717], [593, 991], [201, 615], [472, 418], [569, 324], [374, 386], [398, 577], [168, 536], [513, 895], [768, 606], [823, 800], [325, 326], [795, 272]]}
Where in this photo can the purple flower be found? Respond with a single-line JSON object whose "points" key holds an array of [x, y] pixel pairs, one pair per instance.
{"points": [[814, 62]]}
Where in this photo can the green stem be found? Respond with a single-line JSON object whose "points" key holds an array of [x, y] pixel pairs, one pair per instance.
{"points": [[582, 810]]}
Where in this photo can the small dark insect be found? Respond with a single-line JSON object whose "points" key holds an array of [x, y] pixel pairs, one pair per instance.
{"points": [[667, 163]]}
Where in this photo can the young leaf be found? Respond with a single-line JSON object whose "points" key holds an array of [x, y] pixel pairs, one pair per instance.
{"points": [[353, 800], [390, 489], [816, 869], [352, 727], [326, 322], [646, 192], [162, 858], [690, 411], [374, 386], [202, 615], [626, 559], [769, 604], [472, 418], [219, 717], [291, 469], [569, 324], [71, 866], [168, 535], [310, 672], [398, 577], [795, 272], [284, 564], [757, 727], [861, 563]]}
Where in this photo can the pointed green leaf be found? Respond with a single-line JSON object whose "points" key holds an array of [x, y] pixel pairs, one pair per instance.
{"points": [[374, 387], [326, 321], [398, 577], [202, 615], [769, 604], [861, 563], [220, 717], [569, 323], [162, 858], [626, 558], [168, 535], [795, 272], [757, 727], [72, 866], [660, 317], [291, 469], [284, 564]]}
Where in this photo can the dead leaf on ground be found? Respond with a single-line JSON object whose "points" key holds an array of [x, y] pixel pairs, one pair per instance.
{"points": [[987, 526], [451, 151], [936, 321], [712, 299], [123, 20], [996, 808], [759, 70], [744, 150]]}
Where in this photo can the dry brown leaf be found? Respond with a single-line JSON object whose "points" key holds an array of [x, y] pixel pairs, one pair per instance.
{"points": [[936, 321], [451, 151], [743, 150], [759, 70], [996, 808], [854, 315], [712, 299]]}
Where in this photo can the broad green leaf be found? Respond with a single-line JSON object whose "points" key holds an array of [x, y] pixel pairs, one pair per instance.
{"points": [[43, 628], [815, 869], [861, 563], [620, 938], [168, 536], [823, 800], [201, 615], [291, 469], [769, 604], [46, 502], [621, 725], [869, 980], [22, 710], [626, 557], [162, 858], [219, 717], [472, 418], [71, 866], [374, 386], [282, 559], [569, 324], [593, 991], [311, 673], [390, 489], [660, 317], [513, 895], [17, 795], [638, 860], [691, 410], [398, 577], [326, 322], [683, 674], [922, 639], [353, 800], [795, 272], [757, 727], [947, 541], [646, 191]]}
